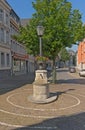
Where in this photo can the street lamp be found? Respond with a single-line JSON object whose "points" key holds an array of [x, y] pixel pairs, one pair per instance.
{"points": [[41, 86], [40, 31]]}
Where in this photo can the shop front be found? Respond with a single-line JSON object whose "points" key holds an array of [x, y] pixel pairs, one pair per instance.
{"points": [[19, 64]]}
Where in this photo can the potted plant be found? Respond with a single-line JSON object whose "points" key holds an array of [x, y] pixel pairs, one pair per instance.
{"points": [[41, 61]]}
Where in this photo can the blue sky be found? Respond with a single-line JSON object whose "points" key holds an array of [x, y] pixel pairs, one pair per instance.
{"points": [[24, 8]]}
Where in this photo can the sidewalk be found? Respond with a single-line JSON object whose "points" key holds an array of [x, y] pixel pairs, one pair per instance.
{"points": [[15, 82]]}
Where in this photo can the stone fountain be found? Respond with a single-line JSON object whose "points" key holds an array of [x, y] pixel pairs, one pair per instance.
{"points": [[41, 89]]}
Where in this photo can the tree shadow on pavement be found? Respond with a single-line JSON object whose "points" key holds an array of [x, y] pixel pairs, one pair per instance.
{"points": [[62, 70], [72, 81], [70, 78], [58, 93], [15, 82], [72, 122]]}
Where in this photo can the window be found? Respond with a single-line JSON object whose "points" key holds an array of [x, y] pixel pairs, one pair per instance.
{"points": [[7, 37], [16, 65], [2, 59], [8, 59], [1, 15], [2, 35], [7, 19], [11, 29]]}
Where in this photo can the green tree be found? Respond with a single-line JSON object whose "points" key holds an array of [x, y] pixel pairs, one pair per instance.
{"points": [[62, 27], [64, 55]]}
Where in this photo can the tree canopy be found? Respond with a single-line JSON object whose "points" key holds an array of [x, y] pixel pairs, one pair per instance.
{"points": [[62, 27], [64, 55]]}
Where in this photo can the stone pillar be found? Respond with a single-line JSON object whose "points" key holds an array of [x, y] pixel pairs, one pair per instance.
{"points": [[41, 88], [40, 85]]}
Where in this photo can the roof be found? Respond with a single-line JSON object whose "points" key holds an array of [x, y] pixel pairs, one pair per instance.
{"points": [[25, 22]]}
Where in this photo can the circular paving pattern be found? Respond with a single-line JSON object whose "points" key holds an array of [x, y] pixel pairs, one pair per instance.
{"points": [[17, 111]]}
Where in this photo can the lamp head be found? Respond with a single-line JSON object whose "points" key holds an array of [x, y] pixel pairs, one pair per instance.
{"points": [[40, 30]]}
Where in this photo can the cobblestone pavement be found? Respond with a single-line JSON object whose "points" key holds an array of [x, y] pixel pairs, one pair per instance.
{"points": [[66, 113]]}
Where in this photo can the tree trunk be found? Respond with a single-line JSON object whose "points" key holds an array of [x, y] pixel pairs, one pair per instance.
{"points": [[54, 72]]}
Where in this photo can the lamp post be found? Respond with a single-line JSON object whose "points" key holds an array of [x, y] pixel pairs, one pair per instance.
{"points": [[41, 85], [40, 31]]}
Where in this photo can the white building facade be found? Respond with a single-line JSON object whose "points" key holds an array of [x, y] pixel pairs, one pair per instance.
{"points": [[19, 56], [14, 59], [5, 53]]}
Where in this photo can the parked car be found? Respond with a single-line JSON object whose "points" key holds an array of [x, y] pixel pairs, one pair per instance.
{"points": [[57, 67], [82, 72], [72, 69]]}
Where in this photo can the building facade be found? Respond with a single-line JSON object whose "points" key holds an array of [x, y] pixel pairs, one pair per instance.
{"points": [[19, 56], [81, 55], [5, 53], [14, 59]]}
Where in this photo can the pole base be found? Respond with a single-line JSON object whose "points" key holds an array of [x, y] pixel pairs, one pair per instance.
{"points": [[42, 101]]}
